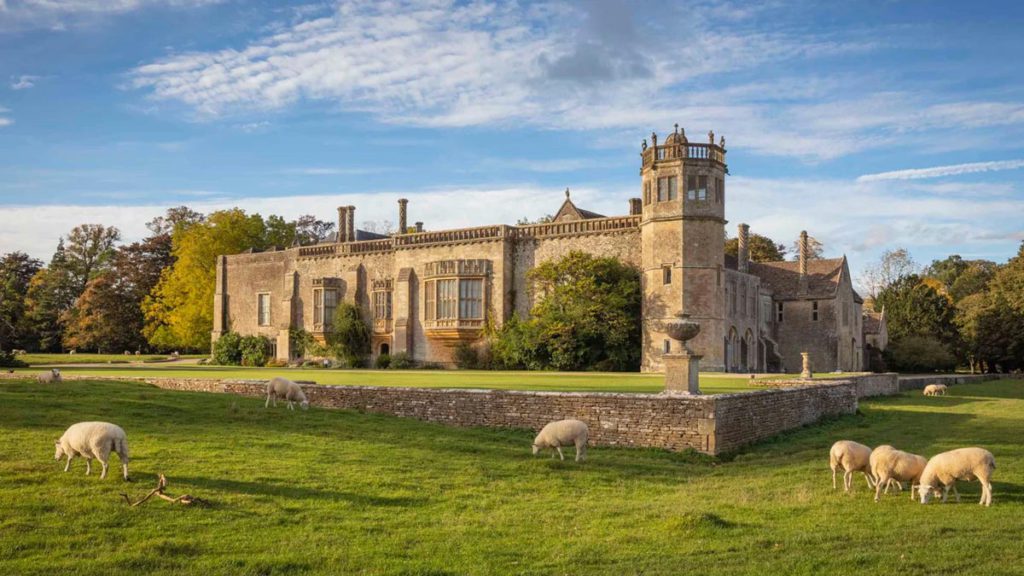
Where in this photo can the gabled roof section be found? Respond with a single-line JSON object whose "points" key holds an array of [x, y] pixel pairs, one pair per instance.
{"points": [[569, 211], [873, 321], [823, 277]]}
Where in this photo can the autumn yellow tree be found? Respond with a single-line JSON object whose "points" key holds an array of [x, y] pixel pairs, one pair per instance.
{"points": [[179, 310]]}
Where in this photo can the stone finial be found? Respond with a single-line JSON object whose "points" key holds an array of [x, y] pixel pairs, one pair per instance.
{"points": [[643, 147], [677, 128], [711, 137], [682, 134], [721, 142], [805, 370], [654, 139], [566, 193]]}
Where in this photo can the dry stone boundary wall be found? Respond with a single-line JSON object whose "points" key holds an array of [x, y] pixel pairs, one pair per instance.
{"points": [[713, 424]]}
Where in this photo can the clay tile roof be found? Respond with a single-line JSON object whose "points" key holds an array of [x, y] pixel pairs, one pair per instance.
{"points": [[784, 277], [872, 322]]}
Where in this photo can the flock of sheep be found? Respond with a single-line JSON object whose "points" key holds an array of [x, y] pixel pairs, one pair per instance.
{"points": [[885, 467]]}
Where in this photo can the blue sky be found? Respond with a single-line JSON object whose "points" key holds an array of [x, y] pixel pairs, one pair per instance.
{"points": [[870, 124]]}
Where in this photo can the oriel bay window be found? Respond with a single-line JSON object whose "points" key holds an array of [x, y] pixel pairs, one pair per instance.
{"points": [[454, 298], [325, 302]]}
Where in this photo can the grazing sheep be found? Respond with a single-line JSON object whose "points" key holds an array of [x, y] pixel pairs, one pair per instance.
{"points": [[285, 389], [889, 465], [943, 470], [93, 440], [850, 457], [935, 390], [50, 377], [563, 433]]}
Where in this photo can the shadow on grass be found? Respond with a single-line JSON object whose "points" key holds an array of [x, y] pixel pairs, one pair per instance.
{"points": [[299, 492]]}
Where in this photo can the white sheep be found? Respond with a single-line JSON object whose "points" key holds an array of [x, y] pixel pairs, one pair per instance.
{"points": [[889, 466], [285, 389], [49, 377], [563, 433], [93, 440], [943, 470], [935, 390], [850, 457]]}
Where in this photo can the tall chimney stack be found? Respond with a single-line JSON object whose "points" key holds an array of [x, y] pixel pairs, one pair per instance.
{"points": [[419, 226], [350, 228], [743, 252], [635, 206], [402, 210], [803, 260], [342, 224]]}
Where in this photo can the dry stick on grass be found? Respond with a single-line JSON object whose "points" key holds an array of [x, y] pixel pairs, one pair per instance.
{"points": [[161, 484]]}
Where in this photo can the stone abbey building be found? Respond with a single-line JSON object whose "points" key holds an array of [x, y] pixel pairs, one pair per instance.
{"points": [[424, 292]]}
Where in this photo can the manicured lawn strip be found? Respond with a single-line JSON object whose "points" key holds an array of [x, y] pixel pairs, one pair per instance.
{"points": [[327, 492], [56, 359], [550, 381]]}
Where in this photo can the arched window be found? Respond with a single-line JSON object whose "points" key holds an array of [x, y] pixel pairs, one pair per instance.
{"points": [[385, 349]]}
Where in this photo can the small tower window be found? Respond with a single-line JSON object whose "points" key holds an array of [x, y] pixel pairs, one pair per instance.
{"points": [[778, 312], [661, 153], [666, 274], [814, 310], [666, 346], [697, 188], [719, 190]]}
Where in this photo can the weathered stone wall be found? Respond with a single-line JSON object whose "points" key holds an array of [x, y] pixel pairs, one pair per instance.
{"points": [[919, 382], [741, 419]]}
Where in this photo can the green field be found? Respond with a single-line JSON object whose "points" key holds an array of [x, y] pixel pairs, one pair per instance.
{"points": [[329, 492], [85, 358], [551, 381]]}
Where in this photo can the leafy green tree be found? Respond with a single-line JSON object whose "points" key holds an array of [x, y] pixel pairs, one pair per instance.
{"points": [[227, 350], [279, 232], [762, 248], [50, 294], [179, 310], [16, 272], [587, 317], [991, 321], [960, 277], [349, 337], [88, 252], [915, 309]]}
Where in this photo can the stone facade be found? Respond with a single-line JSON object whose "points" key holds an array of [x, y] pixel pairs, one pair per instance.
{"points": [[425, 292]]}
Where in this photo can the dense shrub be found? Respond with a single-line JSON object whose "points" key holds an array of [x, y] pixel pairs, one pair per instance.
{"points": [[401, 361], [349, 338], [255, 350], [876, 360], [9, 360], [382, 362], [227, 351], [919, 354]]}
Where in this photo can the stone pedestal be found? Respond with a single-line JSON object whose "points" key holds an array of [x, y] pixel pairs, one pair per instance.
{"points": [[681, 373], [805, 372]]}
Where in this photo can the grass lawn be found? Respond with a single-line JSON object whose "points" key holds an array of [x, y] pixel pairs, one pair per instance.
{"points": [[560, 381], [330, 492], [84, 358]]}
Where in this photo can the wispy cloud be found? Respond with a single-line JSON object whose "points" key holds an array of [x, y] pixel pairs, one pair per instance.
{"points": [[336, 171], [23, 82], [58, 14], [941, 171], [4, 120]]}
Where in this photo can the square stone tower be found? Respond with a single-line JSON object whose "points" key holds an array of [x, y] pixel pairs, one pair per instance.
{"points": [[682, 234]]}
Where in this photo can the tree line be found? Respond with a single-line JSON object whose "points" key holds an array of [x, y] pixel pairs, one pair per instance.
{"points": [[97, 294]]}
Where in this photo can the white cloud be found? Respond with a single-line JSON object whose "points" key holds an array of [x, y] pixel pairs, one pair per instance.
{"points": [[23, 82], [940, 171], [58, 14]]}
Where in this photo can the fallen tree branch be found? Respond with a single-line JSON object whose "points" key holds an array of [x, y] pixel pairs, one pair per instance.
{"points": [[185, 499]]}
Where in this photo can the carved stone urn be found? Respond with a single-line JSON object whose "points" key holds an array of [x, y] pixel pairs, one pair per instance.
{"points": [[681, 368]]}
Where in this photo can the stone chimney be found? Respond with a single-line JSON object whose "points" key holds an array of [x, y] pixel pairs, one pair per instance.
{"points": [[350, 228], [419, 226], [635, 206], [743, 253], [803, 260], [403, 205], [342, 224]]}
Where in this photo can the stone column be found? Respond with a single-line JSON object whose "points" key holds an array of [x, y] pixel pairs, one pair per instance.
{"points": [[342, 223], [803, 261], [402, 209], [743, 253], [350, 228], [805, 372], [220, 302]]}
